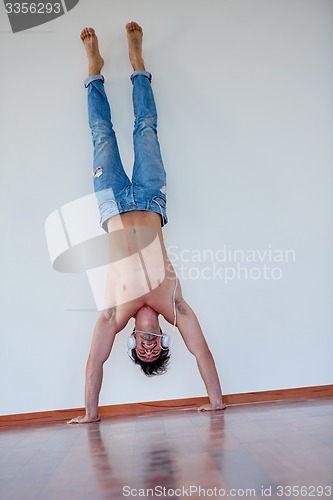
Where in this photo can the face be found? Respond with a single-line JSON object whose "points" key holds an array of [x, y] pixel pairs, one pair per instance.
{"points": [[148, 346]]}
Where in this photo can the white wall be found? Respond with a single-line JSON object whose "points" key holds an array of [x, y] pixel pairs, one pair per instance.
{"points": [[244, 93]]}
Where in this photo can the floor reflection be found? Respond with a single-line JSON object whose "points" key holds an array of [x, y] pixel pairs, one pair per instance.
{"points": [[158, 454], [260, 447]]}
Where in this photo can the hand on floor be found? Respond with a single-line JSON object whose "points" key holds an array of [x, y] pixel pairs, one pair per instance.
{"points": [[83, 420], [210, 407]]}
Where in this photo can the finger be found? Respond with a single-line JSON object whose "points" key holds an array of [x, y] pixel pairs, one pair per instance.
{"points": [[75, 420], [202, 408]]}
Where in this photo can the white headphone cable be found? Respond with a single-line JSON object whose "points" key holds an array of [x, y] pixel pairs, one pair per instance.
{"points": [[174, 314]]}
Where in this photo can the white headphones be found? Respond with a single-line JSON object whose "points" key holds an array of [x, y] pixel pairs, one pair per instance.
{"points": [[166, 342]]}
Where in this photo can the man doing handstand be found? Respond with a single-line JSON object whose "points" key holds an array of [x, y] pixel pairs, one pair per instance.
{"points": [[141, 282]]}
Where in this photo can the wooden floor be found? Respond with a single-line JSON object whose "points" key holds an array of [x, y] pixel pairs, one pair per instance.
{"points": [[259, 446]]}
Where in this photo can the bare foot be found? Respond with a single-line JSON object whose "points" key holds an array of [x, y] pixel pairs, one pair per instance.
{"points": [[134, 37], [90, 41]]}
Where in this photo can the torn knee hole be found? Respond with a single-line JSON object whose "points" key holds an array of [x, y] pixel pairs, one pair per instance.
{"points": [[98, 172]]}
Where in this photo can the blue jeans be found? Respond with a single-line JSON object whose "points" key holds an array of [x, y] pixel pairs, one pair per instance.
{"points": [[114, 191]]}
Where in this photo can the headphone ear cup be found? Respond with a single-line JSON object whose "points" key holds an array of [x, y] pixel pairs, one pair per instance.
{"points": [[131, 342], [165, 340]]}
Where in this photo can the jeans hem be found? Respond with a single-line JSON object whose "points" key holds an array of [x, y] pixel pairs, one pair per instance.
{"points": [[141, 72], [92, 78]]}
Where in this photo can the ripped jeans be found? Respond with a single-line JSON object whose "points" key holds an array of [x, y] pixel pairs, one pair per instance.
{"points": [[115, 193]]}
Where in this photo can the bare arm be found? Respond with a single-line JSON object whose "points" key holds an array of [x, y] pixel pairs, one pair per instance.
{"points": [[102, 342], [190, 330]]}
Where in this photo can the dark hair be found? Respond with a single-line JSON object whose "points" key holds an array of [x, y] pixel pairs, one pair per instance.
{"points": [[157, 367]]}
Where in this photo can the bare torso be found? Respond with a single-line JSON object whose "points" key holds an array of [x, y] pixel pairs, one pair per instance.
{"points": [[140, 272]]}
